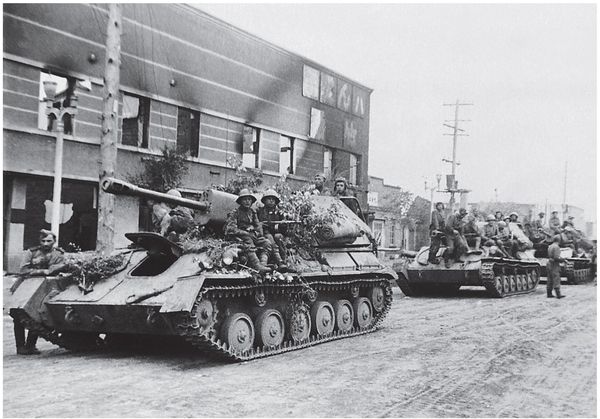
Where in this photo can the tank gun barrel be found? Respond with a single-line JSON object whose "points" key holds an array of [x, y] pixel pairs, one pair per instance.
{"points": [[120, 187]]}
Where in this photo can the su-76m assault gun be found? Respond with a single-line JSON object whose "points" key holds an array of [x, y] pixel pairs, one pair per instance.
{"points": [[222, 308]]}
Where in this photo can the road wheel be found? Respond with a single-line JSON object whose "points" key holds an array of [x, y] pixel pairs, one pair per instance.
{"points": [[377, 298], [270, 328], [299, 324], [513, 283], [363, 312], [344, 315], [519, 282], [323, 318], [498, 283], [238, 332], [505, 284], [529, 281]]}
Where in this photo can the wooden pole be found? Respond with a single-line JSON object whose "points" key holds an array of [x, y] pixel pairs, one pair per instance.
{"points": [[108, 143], [58, 169]]}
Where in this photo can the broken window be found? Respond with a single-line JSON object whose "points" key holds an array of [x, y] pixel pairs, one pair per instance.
{"points": [[188, 131], [327, 162], [286, 155], [251, 147], [136, 117]]}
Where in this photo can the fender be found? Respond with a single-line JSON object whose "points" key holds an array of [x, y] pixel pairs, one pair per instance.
{"points": [[32, 294], [183, 294]]}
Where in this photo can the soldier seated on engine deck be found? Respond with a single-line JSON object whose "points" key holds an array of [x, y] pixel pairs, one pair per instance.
{"points": [[41, 260], [243, 225], [269, 215]]}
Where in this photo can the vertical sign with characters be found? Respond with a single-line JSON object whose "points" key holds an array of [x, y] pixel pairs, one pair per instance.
{"points": [[344, 96], [358, 102], [317, 124], [310, 84]]}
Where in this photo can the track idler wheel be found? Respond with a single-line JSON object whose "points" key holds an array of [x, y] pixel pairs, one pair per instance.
{"points": [[270, 328], [377, 298], [238, 332], [344, 315], [363, 312], [323, 318]]}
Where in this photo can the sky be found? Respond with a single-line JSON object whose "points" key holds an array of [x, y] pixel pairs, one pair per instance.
{"points": [[529, 71]]}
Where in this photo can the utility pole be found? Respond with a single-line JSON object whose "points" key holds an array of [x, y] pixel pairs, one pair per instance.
{"points": [[108, 142], [565, 194], [456, 132]]}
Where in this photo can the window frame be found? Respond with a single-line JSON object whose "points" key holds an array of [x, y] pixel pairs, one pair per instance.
{"points": [[144, 105]]}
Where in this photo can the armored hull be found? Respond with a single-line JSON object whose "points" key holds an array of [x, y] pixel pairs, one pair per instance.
{"points": [[575, 270], [501, 277], [219, 307]]}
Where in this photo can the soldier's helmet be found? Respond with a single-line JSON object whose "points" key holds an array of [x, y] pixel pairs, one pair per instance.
{"points": [[490, 218], [462, 211], [270, 193], [174, 192], [513, 213], [501, 224], [244, 193], [341, 179], [556, 238]]}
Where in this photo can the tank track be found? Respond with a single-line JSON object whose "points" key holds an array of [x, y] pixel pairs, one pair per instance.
{"points": [[187, 326], [504, 279]]}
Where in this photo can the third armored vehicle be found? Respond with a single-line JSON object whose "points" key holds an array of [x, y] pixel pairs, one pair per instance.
{"points": [[222, 307]]}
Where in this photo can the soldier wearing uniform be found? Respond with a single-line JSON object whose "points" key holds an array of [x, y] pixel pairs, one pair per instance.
{"points": [[269, 215], [436, 231], [243, 225], [318, 187], [539, 223], [490, 235], [554, 223], [455, 240], [553, 268], [41, 260]]}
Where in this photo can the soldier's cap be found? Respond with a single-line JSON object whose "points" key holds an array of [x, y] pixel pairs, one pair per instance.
{"points": [[462, 211], [490, 218], [571, 217], [438, 203], [270, 193], [556, 238], [501, 224], [341, 179], [554, 212], [174, 192], [244, 193], [513, 213], [542, 213], [320, 175], [45, 233]]}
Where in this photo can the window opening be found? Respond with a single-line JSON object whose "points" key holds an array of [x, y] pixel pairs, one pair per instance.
{"points": [[188, 131], [286, 155], [136, 116], [251, 147], [327, 162]]}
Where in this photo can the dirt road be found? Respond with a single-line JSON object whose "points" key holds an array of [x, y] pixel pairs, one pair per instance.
{"points": [[462, 357]]}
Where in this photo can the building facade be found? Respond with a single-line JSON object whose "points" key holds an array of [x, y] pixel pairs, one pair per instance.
{"points": [[396, 218], [188, 80]]}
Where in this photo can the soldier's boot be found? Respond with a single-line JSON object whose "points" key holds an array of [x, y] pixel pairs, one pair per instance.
{"points": [[278, 260], [254, 263], [264, 258], [20, 338], [30, 343], [549, 293], [558, 294]]}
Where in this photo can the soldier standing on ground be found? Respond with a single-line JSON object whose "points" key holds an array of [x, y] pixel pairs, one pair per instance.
{"points": [[553, 269], [243, 225], [436, 231], [42, 260]]}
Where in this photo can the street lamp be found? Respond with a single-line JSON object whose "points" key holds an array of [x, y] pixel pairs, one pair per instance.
{"points": [[59, 129]]}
